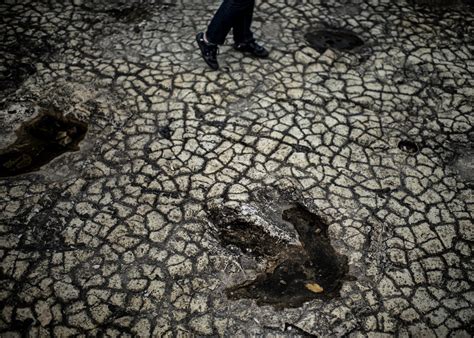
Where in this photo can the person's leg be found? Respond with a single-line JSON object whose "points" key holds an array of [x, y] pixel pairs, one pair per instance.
{"points": [[221, 23], [216, 33], [241, 25], [243, 36], [235, 14]]}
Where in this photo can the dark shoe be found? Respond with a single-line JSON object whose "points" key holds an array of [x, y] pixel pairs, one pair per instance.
{"points": [[253, 48], [209, 51]]}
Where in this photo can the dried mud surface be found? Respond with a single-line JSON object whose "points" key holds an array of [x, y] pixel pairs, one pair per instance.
{"points": [[314, 193]]}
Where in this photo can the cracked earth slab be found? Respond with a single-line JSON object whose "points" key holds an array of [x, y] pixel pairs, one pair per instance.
{"points": [[190, 184]]}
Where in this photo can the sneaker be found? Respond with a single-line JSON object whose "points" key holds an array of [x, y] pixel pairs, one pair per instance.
{"points": [[209, 51], [253, 48]]}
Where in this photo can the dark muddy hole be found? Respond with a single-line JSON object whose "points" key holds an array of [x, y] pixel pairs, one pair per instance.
{"points": [[321, 40], [294, 274], [408, 146], [165, 132], [39, 141]]}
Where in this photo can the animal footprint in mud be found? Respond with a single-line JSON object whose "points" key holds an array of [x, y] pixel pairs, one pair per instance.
{"points": [[294, 274], [39, 141]]}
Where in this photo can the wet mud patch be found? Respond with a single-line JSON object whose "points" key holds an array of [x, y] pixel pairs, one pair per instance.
{"points": [[324, 39], [294, 272], [39, 141]]}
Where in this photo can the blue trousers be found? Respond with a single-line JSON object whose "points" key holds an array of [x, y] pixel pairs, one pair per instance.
{"points": [[232, 14]]}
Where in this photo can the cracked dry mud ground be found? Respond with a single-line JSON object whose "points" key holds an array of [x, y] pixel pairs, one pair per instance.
{"points": [[120, 237]]}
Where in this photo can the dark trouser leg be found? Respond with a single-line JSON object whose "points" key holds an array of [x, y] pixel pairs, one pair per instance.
{"points": [[241, 27], [231, 14]]}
